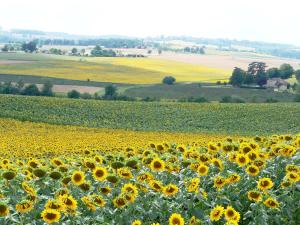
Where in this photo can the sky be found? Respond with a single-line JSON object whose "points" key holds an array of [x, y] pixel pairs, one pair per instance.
{"points": [[258, 20]]}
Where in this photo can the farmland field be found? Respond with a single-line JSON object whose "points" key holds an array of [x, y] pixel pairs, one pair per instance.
{"points": [[71, 175], [114, 69], [243, 119], [210, 92]]}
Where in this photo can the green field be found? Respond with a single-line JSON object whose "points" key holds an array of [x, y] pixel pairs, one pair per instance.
{"points": [[241, 119], [210, 92], [111, 69]]}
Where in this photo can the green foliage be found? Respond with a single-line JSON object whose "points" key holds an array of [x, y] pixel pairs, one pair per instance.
{"points": [[273, 73], [31, 89], [168, 80], [29, 47], [238, 77], [248, 119], [232, 99], [286, 71], [98, 51], [73, 94], [110, 91], [47, 89], [297, 74]]}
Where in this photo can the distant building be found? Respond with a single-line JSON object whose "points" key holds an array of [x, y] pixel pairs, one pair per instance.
{"points": [[277, 84]]}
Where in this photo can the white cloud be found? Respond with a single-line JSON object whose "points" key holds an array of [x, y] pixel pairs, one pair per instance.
{"points": [[273, 21]]}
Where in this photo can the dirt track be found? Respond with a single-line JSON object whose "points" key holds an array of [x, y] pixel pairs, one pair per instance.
{"points": [[10, 62]]}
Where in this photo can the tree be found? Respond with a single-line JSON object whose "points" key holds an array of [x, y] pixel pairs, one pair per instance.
{"points": [[32, 90], [261, 79], [238, 77], [273, 73], [168, 80], [5, 48], [29, 47], [110, 91], [159, 51], [82, 51], [286, 71], [74, 51], [149, 51], [47, 89], [297, 74], [73, 94]]}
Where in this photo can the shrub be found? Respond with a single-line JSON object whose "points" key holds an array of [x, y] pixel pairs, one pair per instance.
{"points": [[32, 90], [110, 92], [47, 89], [271, 100], [168, 80], [297, 98], [73, 94], [86, 95], [231, 99]]}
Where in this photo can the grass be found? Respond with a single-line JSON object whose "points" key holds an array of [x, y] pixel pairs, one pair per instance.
{"points": [[116, 70], [240, 119], [212, 93]]}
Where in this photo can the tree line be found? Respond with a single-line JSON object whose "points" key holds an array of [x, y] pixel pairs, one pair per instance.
{"points": [[257, 74]]}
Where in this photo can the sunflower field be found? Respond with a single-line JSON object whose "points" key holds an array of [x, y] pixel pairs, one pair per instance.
{"points": [[221, 180]]}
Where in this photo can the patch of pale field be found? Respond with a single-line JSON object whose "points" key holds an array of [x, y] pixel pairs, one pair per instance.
{"points": [[11, 62], [67, 88], [226, 61]]}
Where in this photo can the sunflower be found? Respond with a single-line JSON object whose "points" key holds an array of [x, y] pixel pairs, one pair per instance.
{"points": [[55, 204], [119, 202], [125, 173], [98, 201], [217, 163], [233, 178], [170, 190], [193, 185], [4, 210], [145, 177], [203, 170], [156, 185], [100, 173], [252, 170], [176, 219], [271, 203], [130, 189], [216, 213], [242, 159], [105, 190], [194, 221], [157, 165], [245, 148], [69, 201], [89, 204], [231, 214], [78, 178], [219, 182], [24, 206], [254, 196], [293, 177], [265, 184], [9, 175], [50, 215], [136, 222]]}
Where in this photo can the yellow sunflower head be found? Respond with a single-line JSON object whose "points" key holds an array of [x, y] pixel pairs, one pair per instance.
{"points": [[78, 178], [157, 165], [100, 173], [176, 219], [51, 216], [264, 184], [216, 213]]}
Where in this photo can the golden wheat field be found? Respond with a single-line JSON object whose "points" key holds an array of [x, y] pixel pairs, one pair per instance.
{"points": [[108, 69], [73, 175]]}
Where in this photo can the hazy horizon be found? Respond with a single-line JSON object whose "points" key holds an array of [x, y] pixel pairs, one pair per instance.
{"points": [[248, 20]]}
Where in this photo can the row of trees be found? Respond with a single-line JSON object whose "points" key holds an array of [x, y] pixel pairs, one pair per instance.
{"points": [[257, 74], [21, 89], [98, 51]]}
